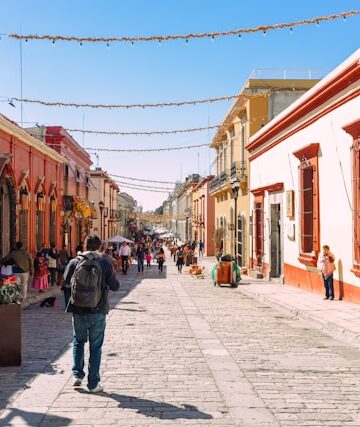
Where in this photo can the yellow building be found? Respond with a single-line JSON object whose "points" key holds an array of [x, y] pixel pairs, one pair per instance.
{"points": [[259, 102]]}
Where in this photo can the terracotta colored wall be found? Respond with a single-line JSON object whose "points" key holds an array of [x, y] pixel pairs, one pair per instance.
{"points": [[39, 164], [312, 282]]}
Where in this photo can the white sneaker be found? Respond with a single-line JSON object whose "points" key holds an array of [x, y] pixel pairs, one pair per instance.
{"points": [[97, 389], [77, 382]]}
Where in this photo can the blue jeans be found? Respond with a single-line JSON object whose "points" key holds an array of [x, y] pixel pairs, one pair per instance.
{"points": [[140, 264], [86, 326], [329, 286]]}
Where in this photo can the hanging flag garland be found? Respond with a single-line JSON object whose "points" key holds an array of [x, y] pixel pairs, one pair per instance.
{"points": [[159, 38]]}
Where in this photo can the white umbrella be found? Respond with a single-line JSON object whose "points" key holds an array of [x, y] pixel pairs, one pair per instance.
{"points": [[119, 239]]}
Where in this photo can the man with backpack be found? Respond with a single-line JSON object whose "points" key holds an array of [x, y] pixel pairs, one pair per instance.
{"points": [[90, 277]]}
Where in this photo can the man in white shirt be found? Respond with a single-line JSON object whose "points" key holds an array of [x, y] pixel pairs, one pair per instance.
{"points": [[125, 252]]}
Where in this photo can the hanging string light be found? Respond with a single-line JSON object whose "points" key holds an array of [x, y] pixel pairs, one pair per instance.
{"points": [[144, 186], [127, 106], [139, 133], [143, 180], [143, 189], [212, 35], [146, 150]]}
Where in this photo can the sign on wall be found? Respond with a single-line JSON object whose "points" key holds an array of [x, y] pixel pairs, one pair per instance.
{"points": [[290, 209]]}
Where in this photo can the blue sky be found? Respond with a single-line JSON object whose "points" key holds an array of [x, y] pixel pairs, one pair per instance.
{"points": [[148, 72]]}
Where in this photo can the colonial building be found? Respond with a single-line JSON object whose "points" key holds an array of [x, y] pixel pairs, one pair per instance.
{"points": [[76, 209], [31, 188], [305, 169], [184, 196], [126, 206], [203, 215], [260, 100], [104, 195]]}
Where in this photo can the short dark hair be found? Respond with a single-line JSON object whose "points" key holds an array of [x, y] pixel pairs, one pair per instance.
{"points": [[326, 247], [18, 245], [92, 242]]}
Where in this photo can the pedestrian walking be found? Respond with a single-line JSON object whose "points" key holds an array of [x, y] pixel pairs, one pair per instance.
{"points": [[326, 264], [161, 259], [148, 259], [22, 266], [52, 263], [173, 252], [41, 273], [90, 276], [140, 255], [201, 248], [125, 253], [179, 259], [64, 259]]}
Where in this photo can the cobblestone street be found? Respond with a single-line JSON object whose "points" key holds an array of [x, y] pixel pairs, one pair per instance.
{"points": [[179, 351]]}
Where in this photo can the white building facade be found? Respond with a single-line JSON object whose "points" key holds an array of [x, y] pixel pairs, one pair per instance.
{"points": [[305, 186]]}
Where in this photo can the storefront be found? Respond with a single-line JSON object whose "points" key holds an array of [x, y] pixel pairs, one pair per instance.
{"points": [[78, 213], [7, 206]]}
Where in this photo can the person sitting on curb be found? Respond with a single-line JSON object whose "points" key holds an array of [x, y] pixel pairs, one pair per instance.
{"points": [[90, 276]]}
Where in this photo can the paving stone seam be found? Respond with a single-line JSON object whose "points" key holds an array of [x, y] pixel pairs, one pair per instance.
{"points": [[234, 412]]}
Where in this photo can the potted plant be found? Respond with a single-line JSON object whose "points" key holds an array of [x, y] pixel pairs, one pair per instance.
{"points": [[10, 321]]}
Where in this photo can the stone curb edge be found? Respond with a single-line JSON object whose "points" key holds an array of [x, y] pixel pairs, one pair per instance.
{"points": [[332, 329]]}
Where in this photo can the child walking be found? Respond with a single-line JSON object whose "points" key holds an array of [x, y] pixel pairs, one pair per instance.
{"points": [[41, 272], [148, 259]]}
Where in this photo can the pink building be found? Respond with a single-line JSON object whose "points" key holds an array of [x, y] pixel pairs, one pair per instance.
{"points": [[203, 221]]}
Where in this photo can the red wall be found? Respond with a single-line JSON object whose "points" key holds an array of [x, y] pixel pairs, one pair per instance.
{"points": [[23, 158]]}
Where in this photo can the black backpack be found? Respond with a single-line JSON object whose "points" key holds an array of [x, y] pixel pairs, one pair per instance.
{"points": [[85, 283]]}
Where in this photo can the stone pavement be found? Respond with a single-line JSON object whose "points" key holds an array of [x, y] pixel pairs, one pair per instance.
{"points": [[340, 319], [179, 351]]}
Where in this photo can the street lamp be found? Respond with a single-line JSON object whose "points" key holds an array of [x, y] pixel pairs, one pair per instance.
{"points": [[101, 207], [235, 186]]}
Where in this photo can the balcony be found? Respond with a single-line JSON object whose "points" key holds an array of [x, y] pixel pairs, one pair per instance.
{"points": [[238, 169], [220, 181], [214, 184], [224, 176]]}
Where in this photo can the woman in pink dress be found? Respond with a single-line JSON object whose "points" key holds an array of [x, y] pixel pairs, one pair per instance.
{"points": [[41, 273]]}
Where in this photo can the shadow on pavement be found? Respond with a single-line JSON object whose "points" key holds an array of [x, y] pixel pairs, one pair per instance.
{"points": [[47, 334], [154, 409], [25, 418]]}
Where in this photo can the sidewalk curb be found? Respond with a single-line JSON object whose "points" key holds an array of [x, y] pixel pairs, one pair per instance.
{"points": [[332, 329]]}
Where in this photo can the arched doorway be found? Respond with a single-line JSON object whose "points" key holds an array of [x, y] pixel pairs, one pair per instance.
{"points": [[7, 212], [24, 199], [39, 219], [52, 218]]}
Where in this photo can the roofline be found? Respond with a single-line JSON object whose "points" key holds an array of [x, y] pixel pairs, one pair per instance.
{"points": [[347, 73], [13, 129]]}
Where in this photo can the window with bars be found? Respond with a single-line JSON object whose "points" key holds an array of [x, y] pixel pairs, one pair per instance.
{"points": [[259, 231], [309, 211], [52, 220], [39, 228], [23, 227], [356, 198], [241, 241], [353, 129], [307, 208]]}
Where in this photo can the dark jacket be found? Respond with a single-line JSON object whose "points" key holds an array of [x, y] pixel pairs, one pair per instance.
{"points": [[22, 260], [140, 253], [109, 281]]}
